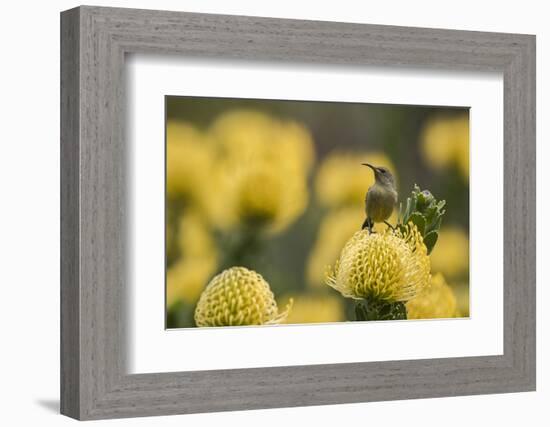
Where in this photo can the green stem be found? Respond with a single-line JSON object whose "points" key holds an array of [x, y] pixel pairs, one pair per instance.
{"points": [[371, 309]]}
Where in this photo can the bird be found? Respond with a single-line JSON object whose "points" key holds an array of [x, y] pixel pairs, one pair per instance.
{"points": [[381, 197]]}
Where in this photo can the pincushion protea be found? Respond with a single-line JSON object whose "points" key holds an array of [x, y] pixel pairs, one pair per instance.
{"points": [[238, 297], [392, 266]]}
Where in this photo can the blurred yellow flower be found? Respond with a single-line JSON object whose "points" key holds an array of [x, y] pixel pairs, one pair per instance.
{"points": [[263, 197], [451, 253], [186, 279], [188, 160], [295, 145], [446, 141], [311, 308], [463, 159], [261, 170], [248, 137], [241, 135], [255, 205], [336, 228], [238, 297], [342, 180], [384, 266], [194, 236], [197, 263], [169, 242], [462, 293], [437, 301]]}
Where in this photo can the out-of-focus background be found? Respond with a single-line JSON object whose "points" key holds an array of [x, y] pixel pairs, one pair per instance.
{"points": [[278, 187]]}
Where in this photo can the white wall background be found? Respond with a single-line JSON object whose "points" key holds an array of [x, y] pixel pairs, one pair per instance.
{"points": [[29, 212]]}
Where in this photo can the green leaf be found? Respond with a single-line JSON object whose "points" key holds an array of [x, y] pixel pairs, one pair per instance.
{"points": [[435, 225], [399, 311], [392, 311], [411, 206], [407, 211], [430, 240], [399, 213], [423, 210], [379, 310], [431, 213], [418, 219]]}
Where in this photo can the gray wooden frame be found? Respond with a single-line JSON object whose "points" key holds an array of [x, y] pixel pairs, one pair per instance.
{"points": [[94, 41]]}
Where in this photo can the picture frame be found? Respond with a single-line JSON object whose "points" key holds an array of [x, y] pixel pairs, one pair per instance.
{"points": [[94, 268]]}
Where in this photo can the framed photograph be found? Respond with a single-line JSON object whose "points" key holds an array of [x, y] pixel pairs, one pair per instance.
{"points": [[261, 213]]}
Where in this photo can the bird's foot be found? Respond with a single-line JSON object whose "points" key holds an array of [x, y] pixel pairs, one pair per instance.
{"points": [[368, 224], [389, 225]]}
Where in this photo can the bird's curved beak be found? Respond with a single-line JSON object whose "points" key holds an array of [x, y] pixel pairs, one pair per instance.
{"points": [[369, 165]]}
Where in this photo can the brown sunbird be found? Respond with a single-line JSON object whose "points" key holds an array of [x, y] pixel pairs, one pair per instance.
{"points": [[381, 197]]}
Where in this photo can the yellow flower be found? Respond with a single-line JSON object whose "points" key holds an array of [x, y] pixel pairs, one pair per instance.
{"points": [[384, 266], [238, 297], [462, 293], [310, 308], [255, 205], [218, 197], [451, 253], [342, 180], [186, 279], [446, 141], [437, 301], [264, 198], [463, 158], [261, 170], [336, 228], [188, 160], [241, 135], [247, 137], [194, 236], [295, 145], [169, 242], [198, 261]]}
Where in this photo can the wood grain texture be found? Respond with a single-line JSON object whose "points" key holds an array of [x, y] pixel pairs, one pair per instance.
{"points": [[70, 291], [94, 270]]}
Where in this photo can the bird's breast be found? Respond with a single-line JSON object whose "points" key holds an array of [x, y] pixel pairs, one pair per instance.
{"points": [[380, 202]]}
